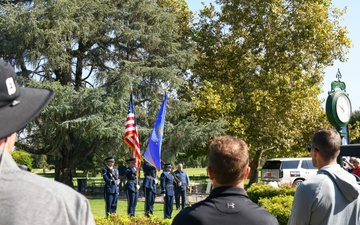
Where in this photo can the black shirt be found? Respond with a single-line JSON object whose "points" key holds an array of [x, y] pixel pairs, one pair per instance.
{"points": [[225, 206]]}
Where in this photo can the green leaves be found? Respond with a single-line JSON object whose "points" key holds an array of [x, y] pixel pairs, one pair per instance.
{"points": [[264, 61]]}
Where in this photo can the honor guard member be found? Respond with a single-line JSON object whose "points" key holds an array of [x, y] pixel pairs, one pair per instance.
{"points": [[122, 176], [131, 187], [149, 186], [111, 189], [167, 183], [181, 187]]}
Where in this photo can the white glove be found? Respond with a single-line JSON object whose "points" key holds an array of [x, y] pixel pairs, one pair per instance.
{"points": [[137, 187], [179, 184], [156, 181], [164, 195], [117, 182]]}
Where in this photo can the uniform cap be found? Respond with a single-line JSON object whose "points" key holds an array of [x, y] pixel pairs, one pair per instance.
{"points": [[110, 159], [130, 160], [167, 165]]}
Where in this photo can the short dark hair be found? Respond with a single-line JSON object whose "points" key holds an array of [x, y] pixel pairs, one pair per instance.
{"points": [[328, 142], [228, 159]]}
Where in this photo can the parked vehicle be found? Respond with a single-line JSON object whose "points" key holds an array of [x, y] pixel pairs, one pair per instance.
{"points": [[288, 170]]}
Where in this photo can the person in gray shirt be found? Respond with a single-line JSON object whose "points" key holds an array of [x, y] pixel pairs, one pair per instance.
{"points": [[26, 198], [332, 196]]}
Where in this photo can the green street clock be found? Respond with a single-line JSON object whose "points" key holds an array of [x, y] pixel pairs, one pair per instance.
{"points": [[338, 108], [338, 105]]}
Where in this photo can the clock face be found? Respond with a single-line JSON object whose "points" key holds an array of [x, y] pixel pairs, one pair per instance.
{"points": [[343, 108]]}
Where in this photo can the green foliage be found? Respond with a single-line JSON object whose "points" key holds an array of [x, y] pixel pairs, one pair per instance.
{"points": [[126, 220], [354, 127], [259, 191], [91, 53], [277, 201], [40, 161], [279, 206], [266, 91], [72, 128], [22, 158]]}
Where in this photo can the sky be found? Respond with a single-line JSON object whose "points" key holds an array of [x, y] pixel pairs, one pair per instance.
{"points": [[349, 69]]}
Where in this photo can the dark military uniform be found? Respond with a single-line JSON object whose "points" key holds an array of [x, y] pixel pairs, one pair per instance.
{"points": [[167, 183], [180, 190], [225, 205], [131, 190], [111, 190], [149, 187], [122, 177]]}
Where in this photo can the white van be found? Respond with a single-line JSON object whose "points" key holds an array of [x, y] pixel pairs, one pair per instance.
{"points": [[288, 170]]}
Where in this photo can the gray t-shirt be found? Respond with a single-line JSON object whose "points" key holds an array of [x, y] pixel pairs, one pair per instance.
{"points": [[26, 198]]}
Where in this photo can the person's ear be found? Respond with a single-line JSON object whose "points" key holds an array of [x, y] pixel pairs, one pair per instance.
{"points": [[210, 173], [247, 172], [337, 153]]}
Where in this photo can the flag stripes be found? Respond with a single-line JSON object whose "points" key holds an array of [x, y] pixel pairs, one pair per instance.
{"points": [[131, 137]]}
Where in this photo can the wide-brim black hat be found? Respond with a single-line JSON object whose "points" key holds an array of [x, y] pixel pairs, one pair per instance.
{"points": [[18, 105]]}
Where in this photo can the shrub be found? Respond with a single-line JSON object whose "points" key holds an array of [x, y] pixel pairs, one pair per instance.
{"points": [[115, 219], [258, 191], [22, 158], [277, 201], [279, 206]]}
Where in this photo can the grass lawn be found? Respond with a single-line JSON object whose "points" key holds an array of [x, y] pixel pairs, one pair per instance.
{"points": [[98, 208], [98, 205]]}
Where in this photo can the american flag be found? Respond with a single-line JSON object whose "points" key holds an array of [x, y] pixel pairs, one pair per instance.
{"points": [[131, 137]]}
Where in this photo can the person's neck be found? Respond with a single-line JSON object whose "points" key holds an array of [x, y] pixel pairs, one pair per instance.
{"points": [[322, 164], [239, 185]]}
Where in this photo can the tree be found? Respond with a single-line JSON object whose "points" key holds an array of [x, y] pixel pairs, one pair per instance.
{"points": [[92, 53], [40, 161], [261, 65], [354, 127], [71, 128]]}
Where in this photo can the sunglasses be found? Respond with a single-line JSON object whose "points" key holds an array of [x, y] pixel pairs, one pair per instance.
{"points": [[312, 147]]}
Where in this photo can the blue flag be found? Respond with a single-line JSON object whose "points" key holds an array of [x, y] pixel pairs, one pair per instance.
{"points": [[153, 150]]}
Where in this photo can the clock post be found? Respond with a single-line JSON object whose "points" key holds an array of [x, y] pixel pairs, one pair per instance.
{"points": [[338, 107]]}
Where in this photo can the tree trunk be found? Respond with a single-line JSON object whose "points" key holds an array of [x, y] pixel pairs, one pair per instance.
{"points": [[65, 164], [64, 171], [254, 165]]}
